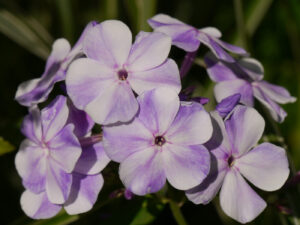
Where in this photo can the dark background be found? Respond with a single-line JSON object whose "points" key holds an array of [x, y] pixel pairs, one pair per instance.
{"points": [[268, 29]]}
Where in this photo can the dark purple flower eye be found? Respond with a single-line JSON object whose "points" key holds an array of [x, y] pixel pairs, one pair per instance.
{"points": [[230, 161], [159, 140], [122, 74]]}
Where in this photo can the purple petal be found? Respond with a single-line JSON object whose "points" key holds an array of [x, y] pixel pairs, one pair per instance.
{"points": [[238, 200], [31, 126], [86, 79], [250, 68], [277, 113], [31, 164], [214, 45], [148, 51], [185, 166], [192, 125], [142, 172], [54, 117], [231, 48], [158, 109], [208, 189], [225, 89], [84, 193], [266, 166], [92, 160], [37, 90], [217, 70], [64, 146], [275, 92], [125, 139], [165, 75], [58, 183], [227, 105], [212, 31], [82, 122], [108, 42], [183, 36], [37, 206], [244, 128]]}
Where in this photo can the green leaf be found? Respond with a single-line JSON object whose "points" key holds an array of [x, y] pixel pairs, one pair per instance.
{"points": [[5, 147], [61, 219], [26, 35]]}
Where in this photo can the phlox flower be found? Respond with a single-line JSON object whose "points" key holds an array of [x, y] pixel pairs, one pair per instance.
{"points": [[56, 169], [189, 38], [245, 76], [234, 157], [163, 142], [105, 83], [37, 90]]}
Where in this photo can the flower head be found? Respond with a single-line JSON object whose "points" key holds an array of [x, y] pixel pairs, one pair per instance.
{"points": [[245, 76], [189, 38], [162, 142], [233, 156], [37, 90], [103, 84]]}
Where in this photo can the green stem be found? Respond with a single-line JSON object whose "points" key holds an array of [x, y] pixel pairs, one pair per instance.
{"points": [[178, 216], [239, 17]]}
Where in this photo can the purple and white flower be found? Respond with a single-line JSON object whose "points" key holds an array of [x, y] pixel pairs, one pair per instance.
{"points": [[245, 76], [234, 156], [189, 38], [57, 170], [103, 84], [37, 90], [163, 142]]}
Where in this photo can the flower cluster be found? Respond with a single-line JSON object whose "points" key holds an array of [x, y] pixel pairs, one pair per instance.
{"points": [[156, 131]]}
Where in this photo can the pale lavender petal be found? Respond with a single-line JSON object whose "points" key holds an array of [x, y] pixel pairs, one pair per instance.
{"points": [[37, 206], [277, 113], [165, 75], [108, 42], [58, 183], [65, 148], [158, 109], [37, 90], [125, 139], [148, 51], [185, 166], [275, 92], [238, 200], [54, 117], [230, 47], [31, 164], [227, 105], [212, 31], [227, 88], [92, 160], [219, 71], [192, 125], [213, 44], [82, 121], [183, 36], [266, 166], [252, 68], [219, 140], [208, 189], [142, 172], [31, 126], [116, 103], [84, 193], [86, 79], [244, 128]]}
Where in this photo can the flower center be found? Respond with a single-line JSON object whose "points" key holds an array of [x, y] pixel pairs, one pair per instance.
{"points": [[122, 74], [230, 161], [159, 140]]}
